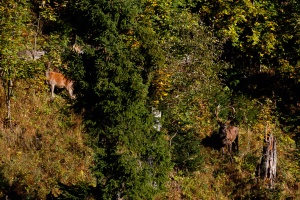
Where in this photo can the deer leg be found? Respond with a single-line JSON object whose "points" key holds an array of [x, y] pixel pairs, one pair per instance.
{"points": [[52, 90], [222, 152], [230, 151], [237, 143], [70, 90]]}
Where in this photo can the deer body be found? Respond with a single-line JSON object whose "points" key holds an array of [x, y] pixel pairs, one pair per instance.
{"points": [[31, 54], [56, 79], [228, 134]]}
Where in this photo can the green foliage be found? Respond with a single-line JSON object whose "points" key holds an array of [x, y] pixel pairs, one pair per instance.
{"points": [[140, 54], [75, 192], [186, 152], [14, 18], [132, 159], [262, 44], [246, 110], [259, 33]]}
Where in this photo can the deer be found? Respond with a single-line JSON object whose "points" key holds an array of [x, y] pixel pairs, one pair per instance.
{"points": [[228, 133], [77, 49], [56, 79], [31, 54]]}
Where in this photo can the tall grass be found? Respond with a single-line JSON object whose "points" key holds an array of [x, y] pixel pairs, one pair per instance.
{"points": [[221, 179], [45, 146]]}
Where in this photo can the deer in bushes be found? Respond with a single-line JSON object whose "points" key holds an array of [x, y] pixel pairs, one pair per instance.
{"points": [[31, 54], [77, 49], [228, 133], [56, 79]]}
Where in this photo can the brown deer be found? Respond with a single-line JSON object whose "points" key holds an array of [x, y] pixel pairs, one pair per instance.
{"points": [[56, 79], [228, 133]]}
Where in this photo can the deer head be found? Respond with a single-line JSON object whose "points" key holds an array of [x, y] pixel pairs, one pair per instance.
{"points": [[77, 49]]}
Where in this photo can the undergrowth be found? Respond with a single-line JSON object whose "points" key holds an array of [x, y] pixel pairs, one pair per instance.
{"points": [[45, 147], [219, 178]]}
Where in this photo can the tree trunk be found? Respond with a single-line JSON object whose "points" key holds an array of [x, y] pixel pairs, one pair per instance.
{"points": [[266, 170]]}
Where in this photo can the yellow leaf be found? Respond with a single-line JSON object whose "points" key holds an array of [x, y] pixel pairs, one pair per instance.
{"points": [[82, 174]]}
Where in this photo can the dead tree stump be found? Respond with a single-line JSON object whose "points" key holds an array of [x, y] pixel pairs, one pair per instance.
{"points": [[266, 169]]}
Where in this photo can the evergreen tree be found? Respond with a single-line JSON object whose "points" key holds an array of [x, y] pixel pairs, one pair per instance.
{"points": [[114, 75]]}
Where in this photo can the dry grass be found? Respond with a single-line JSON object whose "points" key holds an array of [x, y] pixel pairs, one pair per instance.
{"points": [[46, 144], [221, 179]]}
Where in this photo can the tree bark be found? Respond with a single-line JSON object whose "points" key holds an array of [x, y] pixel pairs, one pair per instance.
{"points": [[266, 170]]}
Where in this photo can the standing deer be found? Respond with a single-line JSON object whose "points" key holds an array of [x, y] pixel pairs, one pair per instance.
{"points": [[228, 133], [60, 81], [31, 54]]}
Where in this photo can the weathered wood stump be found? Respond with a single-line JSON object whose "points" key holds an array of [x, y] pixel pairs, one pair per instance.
{"points": [[266, 169]]}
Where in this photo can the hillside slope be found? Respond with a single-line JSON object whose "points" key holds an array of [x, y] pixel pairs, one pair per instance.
{"points": [[46, 145]]}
